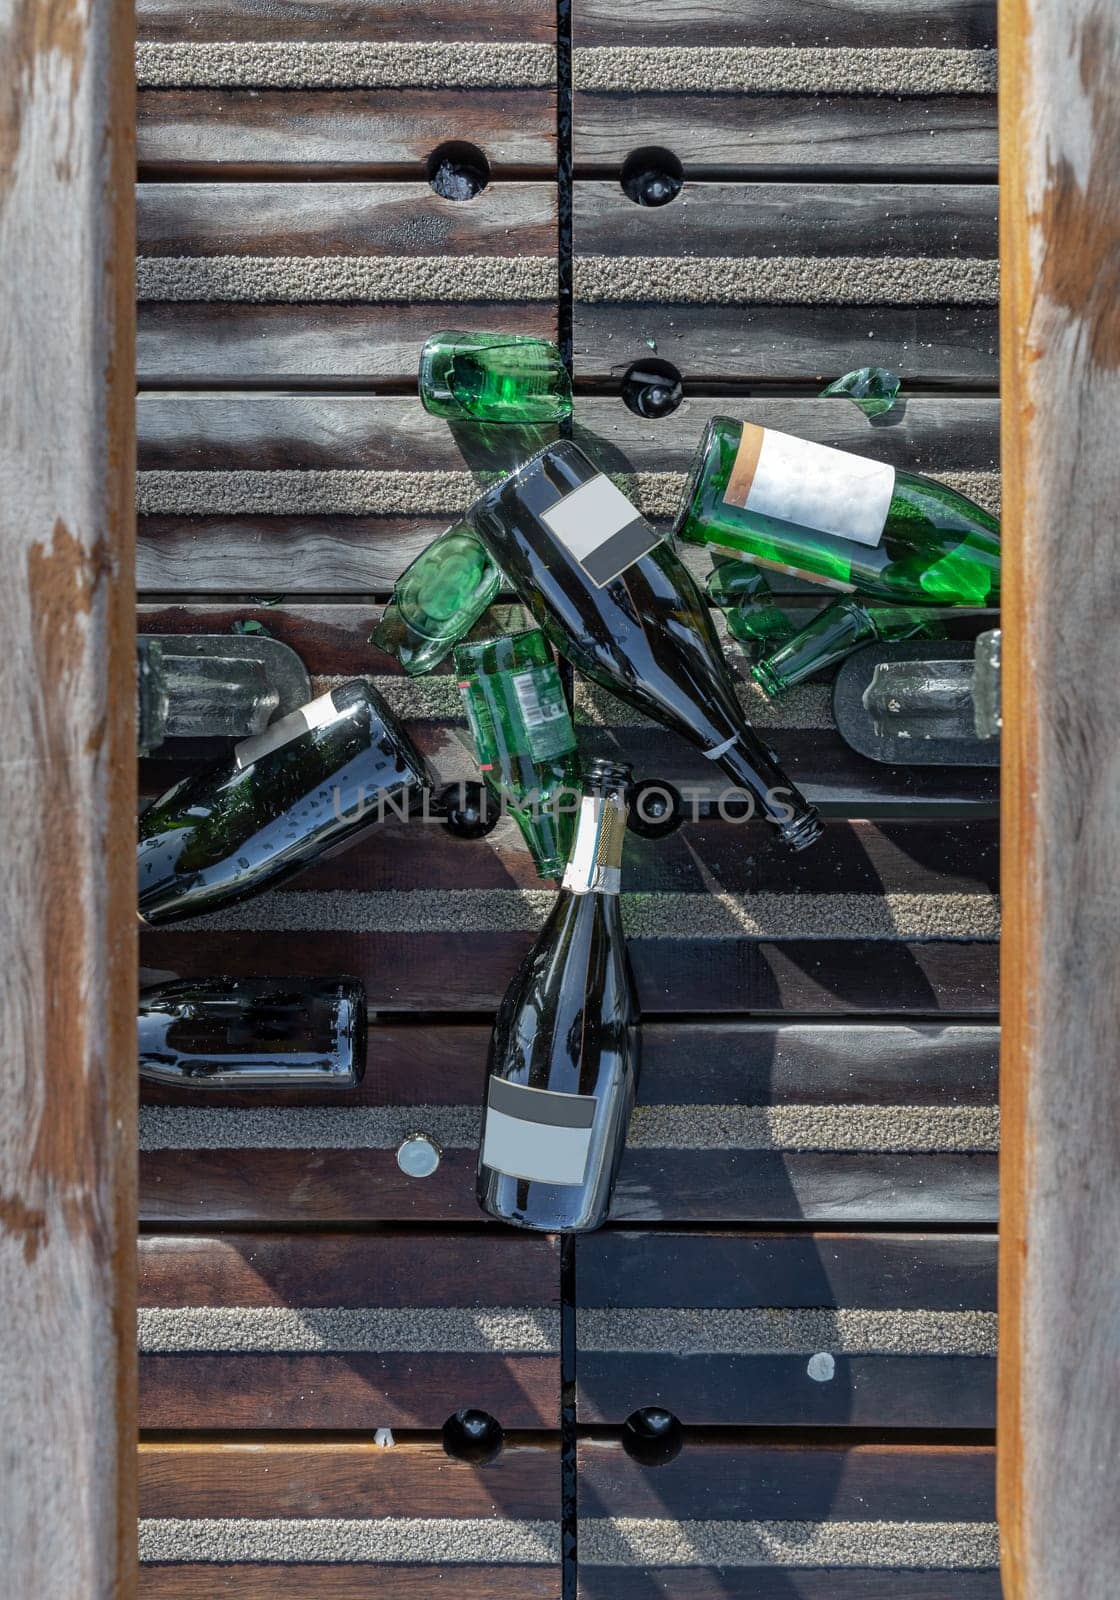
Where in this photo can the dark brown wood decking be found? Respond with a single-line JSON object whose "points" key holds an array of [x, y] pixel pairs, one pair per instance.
{"points": [[800, 1264]]}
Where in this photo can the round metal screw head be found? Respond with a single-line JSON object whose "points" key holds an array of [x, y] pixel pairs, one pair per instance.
{"points": [[418, 1155]]}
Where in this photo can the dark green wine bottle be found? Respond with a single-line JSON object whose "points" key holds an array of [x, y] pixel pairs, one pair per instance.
{"points": [[524, 740], [835, 632], [618, 601], [253, 1033], [494, 377], [564, 1052], [278, 800], [838, 519], [437, 599]]}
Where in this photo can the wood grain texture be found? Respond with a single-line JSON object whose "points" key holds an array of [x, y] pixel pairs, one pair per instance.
{"points": [[67, 787], [354, 133], [785, 137], [433, 22], [684, 1163], [256, 1581], [1060, 1294], [651, 1329], [725, 1482], [432, 1303], [368, 480], [694, 276]]}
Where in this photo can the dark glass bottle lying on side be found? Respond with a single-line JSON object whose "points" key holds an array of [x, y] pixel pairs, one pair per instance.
{"points": [[253, 1033], [564, 1053], [278, 800], [619, 603]]}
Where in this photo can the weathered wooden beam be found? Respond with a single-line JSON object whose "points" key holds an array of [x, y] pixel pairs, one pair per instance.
{"points": [[67, 791], [1060, 1291]]}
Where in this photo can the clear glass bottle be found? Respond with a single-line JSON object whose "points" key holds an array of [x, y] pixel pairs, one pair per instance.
{"points": [[563, 1068], [436, 600], [275, 802], [524, 739], [835, 632], [838, 519], [253, 1033], [494, 377]]}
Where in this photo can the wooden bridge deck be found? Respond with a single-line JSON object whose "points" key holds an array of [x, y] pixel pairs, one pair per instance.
{"points": [[801, 1260]]}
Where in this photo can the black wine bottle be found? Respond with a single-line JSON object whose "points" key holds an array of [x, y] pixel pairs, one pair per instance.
{"points": [[564, 1053], [253, 1033], [618, 602], [278, 800]]}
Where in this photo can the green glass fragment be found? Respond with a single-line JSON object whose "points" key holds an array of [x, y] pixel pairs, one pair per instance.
{"points": [[437, 600], [873, 389], [494, 377]]}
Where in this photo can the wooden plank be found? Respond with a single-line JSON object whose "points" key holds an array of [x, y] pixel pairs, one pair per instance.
{"points": [[953, 137], [299, 344], [324, 529], [735, 1121], [296, 1508], [875, 90], [336, 282], [434, 22], [347, 1332], [67, 925], [887, 1331], [788, 281], [738, 1520], [337, 133], [960, 24], [323, 220], [1060, 1295]]}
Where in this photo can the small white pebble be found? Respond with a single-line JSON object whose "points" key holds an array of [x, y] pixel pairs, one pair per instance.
{"points": [[383, 1439], [821, 1367]]}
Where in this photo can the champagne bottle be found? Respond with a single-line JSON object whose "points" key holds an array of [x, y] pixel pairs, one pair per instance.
{"points": [[524, 740], [436, 600], [838, 519], [278, 800], [618, 602], [494, 377], [253, 1033], [563, 1064], [838, 630]]}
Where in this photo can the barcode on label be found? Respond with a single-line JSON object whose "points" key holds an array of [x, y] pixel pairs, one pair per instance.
{"points": [[535, 710]]}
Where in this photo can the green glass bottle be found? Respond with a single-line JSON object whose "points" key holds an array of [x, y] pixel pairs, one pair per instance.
{"points": [[747, 601], [838, 519], [838, 630], [436, 600], [524, 739], [494, 377]]}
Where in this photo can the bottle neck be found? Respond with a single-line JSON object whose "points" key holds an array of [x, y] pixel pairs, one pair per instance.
{"points": [[595, 864]]}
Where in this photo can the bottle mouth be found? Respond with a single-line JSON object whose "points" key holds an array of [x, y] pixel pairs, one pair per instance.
{"points": [[802, 831], [695, 473]]}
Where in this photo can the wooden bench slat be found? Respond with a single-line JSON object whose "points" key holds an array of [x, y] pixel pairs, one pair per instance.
{"points": [[890, 1331], [353, 1333], [919, 1083], [436, 21], [263, 133], [960, 23]]}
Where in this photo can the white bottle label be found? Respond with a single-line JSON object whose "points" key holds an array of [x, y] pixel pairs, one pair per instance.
{"points": [[594, 866], [315, 714], [603, 530], [810, 485], [537, 1134]]}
